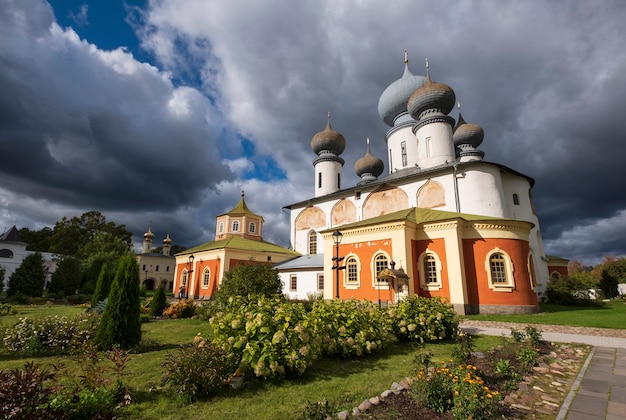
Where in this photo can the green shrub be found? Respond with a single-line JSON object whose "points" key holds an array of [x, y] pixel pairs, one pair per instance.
{"points": [[423, 319], [609, 284], [120, 324], [184, 308], [568, 290], [250, 279], [318, 410], [269, 336], [196, 371], [158, 302], [50, 335], [25, 393], [349, 328]]}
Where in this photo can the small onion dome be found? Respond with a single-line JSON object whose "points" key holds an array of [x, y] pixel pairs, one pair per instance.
{"points": [[369, 164], [148, 234], [467, 133], [433, 96], [167, 240], [394, 99], [328, 139]]}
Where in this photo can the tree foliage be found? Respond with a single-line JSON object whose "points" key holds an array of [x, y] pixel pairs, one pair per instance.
{"points": [[158, 302], [67, 278], [37, 240], [76, 236], [120, 324], [250, 279], [29, 278], [608, 284], [103, 286]]}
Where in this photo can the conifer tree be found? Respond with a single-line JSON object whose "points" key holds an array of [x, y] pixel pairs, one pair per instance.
{"points": [[103, 286], [158, 302], [120, 324], [29, 278], [67, 277]]}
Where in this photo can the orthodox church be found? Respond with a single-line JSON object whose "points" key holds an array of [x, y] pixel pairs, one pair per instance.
{"points": [[156, 268], [238, 240], [441, 222]]}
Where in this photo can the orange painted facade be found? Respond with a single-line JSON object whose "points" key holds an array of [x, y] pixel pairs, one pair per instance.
{"points": [[365, 252], [475, 253], [437, 246]]}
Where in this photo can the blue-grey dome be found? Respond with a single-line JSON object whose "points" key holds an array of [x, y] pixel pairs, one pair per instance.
{"points": [[431, 96], [394, 99], [467, 133]]}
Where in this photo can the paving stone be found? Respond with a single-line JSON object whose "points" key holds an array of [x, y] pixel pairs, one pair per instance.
{"points": [[593, 405]]}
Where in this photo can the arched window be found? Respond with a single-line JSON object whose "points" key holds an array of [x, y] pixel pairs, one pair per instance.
{"points": [[352, 272], [429, 267], [6, 253], [221, 227], [500, 271], [381, 261], [236, 226], [312, 242], [252, 227], [183, 278], [206, 278]]}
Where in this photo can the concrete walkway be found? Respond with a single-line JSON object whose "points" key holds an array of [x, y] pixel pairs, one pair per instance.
{"points": [[599, 391]]}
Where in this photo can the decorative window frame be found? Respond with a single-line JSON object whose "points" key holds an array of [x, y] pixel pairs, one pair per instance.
{"points": [[206, 278], [312, 240], [531, 271], [221, 227], [508, 269], [235, 225], [352, 285], [184, 276], [379, 285], [252, 227], [320, 282], [293, 282], [422, 271]]}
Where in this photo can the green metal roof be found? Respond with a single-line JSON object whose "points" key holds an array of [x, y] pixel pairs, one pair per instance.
{"points": [[239, 243], [416, 215], [241, 209]]}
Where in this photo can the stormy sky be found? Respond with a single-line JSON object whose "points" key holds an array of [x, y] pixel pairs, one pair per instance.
{"points": [[161, 112]]}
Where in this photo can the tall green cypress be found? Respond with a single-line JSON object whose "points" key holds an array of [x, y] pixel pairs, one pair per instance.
{"points": [[158, 302], [103, 286], [120, 324]]}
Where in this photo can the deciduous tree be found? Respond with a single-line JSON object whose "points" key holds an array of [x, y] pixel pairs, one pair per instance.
{"points": [[29, 278]]}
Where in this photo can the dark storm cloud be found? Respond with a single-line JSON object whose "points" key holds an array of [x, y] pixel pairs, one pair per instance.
{"points": [[544, 79], [87, 129]]}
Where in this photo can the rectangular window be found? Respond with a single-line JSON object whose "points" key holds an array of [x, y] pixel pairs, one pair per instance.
{"points": [[319, 180], [428, 141], [338, 181], [320, 282], [430, 268], [516, 199], [352, 268], [293, 283], [357, 196], [404, 159]]}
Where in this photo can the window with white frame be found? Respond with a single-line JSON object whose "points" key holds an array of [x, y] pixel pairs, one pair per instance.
{"points": [[381, 261], [221, 227], [236, 226], [404, 157], [252, 227], [500, 271], [183, 278], [206, 278], [320, 282], [293, 283], [351, 278], [312, 242], [429, 266]]}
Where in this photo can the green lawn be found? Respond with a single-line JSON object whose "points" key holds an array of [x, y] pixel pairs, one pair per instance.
{"points": [[610, 315], [344, 383]]}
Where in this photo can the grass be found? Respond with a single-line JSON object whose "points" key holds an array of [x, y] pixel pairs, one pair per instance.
{"points": [[344, 383], [609, 315], [38, 312]]}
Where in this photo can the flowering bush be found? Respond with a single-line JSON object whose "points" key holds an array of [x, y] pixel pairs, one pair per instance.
{"points": [[458, 389], [423, 319], [184, 308], [50, 335], [349, 328], [268, 335]]}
